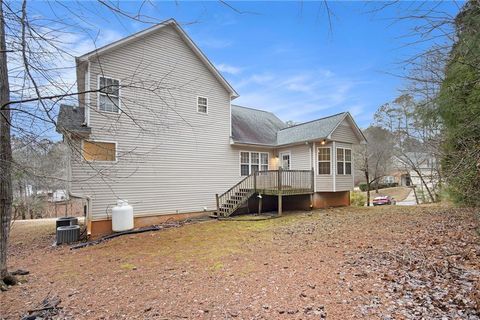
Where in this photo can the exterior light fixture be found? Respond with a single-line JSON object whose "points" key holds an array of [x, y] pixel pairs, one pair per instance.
{"points": [[323, 142]]}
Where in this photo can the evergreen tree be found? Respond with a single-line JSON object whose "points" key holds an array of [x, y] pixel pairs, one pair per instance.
{"points": [[459, 106]]}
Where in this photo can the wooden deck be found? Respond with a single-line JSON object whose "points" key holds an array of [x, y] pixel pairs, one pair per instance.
{"points": [[271, 182]]}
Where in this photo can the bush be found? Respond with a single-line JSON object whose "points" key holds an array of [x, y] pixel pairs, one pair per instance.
{"points": [[357, 199], [363, 186]]}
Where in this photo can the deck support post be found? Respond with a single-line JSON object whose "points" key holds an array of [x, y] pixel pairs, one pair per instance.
{"points": [[260, 199], [280, 204], [218, 204]]}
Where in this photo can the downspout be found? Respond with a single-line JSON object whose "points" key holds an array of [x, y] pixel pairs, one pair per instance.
{"points": [[88, 213], [87, 97]]}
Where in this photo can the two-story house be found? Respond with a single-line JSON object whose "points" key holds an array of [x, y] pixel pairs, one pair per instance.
{"points": [[156, 126]]}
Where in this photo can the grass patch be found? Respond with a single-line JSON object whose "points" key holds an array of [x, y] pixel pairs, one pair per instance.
{"points": [[128, 266], [217, 266]]}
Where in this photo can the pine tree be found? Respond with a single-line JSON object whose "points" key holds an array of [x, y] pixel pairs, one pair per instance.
{"points": [[459, 106]]}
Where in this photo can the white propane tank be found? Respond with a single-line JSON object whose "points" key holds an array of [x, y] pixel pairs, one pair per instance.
{"points": [[122, 216]]}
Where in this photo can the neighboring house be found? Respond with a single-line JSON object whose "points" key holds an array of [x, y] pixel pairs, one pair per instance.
{"points": [[162, 133], [411, 167]]}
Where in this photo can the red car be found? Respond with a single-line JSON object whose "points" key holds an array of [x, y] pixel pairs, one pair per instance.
{"points": [[383, 200]]}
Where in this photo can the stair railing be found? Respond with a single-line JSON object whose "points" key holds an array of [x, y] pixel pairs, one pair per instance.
{"points": [[246, 184]]}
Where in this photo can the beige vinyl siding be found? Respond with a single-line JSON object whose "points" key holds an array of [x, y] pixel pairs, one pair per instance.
{"points": [[344, 182], [323, 182], [299, 157], [345, 133], [170, 158]]}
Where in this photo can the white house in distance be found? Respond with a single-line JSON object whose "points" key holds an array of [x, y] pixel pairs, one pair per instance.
{"points": [[156, 126]]}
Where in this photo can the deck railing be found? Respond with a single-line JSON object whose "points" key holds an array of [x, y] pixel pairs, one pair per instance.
{"points": [[269, 182], [284, 181]]}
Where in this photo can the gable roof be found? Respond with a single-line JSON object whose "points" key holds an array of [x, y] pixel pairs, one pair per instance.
{"points": [[72, 119], [155, 28], [311, 130], [258, 127], [253, 126]]}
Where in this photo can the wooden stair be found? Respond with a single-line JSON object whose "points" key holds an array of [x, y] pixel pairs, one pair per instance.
{"points": [[270, 182], [234, 201]]}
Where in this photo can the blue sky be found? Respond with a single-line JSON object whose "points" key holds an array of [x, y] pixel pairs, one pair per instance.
{"points": [[283, 57]]}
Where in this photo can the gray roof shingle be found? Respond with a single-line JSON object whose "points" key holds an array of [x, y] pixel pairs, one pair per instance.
{"points": [[72, 119], [312, 130], [253, 126]]}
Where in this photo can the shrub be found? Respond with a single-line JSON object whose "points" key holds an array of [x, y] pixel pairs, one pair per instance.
{"points": [[357, 199], [363, 186]]}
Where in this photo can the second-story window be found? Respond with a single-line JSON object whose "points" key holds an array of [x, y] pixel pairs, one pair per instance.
{"points": [[109, 95], [202, 105]]}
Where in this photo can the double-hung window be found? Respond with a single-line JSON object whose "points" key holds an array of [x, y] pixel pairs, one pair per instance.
{"points": [[202, 105], [251, 162], [344, 161], [109, 94], [324, 160]]}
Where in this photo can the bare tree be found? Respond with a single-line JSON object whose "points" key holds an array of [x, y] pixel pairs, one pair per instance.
{"points": [[5, 152], [374, 158], [36, 77], [417, 139]]}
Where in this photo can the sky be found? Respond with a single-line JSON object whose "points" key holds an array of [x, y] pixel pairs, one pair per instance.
{"points": [[287, 57]]}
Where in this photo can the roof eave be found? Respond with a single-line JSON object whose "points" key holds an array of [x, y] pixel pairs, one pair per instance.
{"points": [[252, 144]]}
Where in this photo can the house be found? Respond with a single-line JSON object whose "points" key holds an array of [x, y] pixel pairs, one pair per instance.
{"points": [[411, 167], [156, 126]]}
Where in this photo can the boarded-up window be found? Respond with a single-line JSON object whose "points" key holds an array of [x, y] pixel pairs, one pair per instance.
{"points": [[99, 151]]}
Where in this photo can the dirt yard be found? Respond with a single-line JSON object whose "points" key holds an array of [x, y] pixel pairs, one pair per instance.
{"points": [[350, 263]]}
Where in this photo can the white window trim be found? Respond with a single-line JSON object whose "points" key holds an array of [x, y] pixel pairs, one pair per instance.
{"points": [[119, 94], [196, 103], [317, 161], [289, 154], [101, 141], [250, 161], [344, 162]]}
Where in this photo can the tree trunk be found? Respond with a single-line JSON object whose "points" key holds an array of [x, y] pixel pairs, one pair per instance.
{"points": [[368, 188], [5, 152]]}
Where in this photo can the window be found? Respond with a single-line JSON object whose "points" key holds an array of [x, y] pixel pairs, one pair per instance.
{"points": [[202, 105], [285, 160], [244, 163], [264, 161], [389, 179], [251, 162], [324, 160], [344, 161], [99, 151], [109, 94]]}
